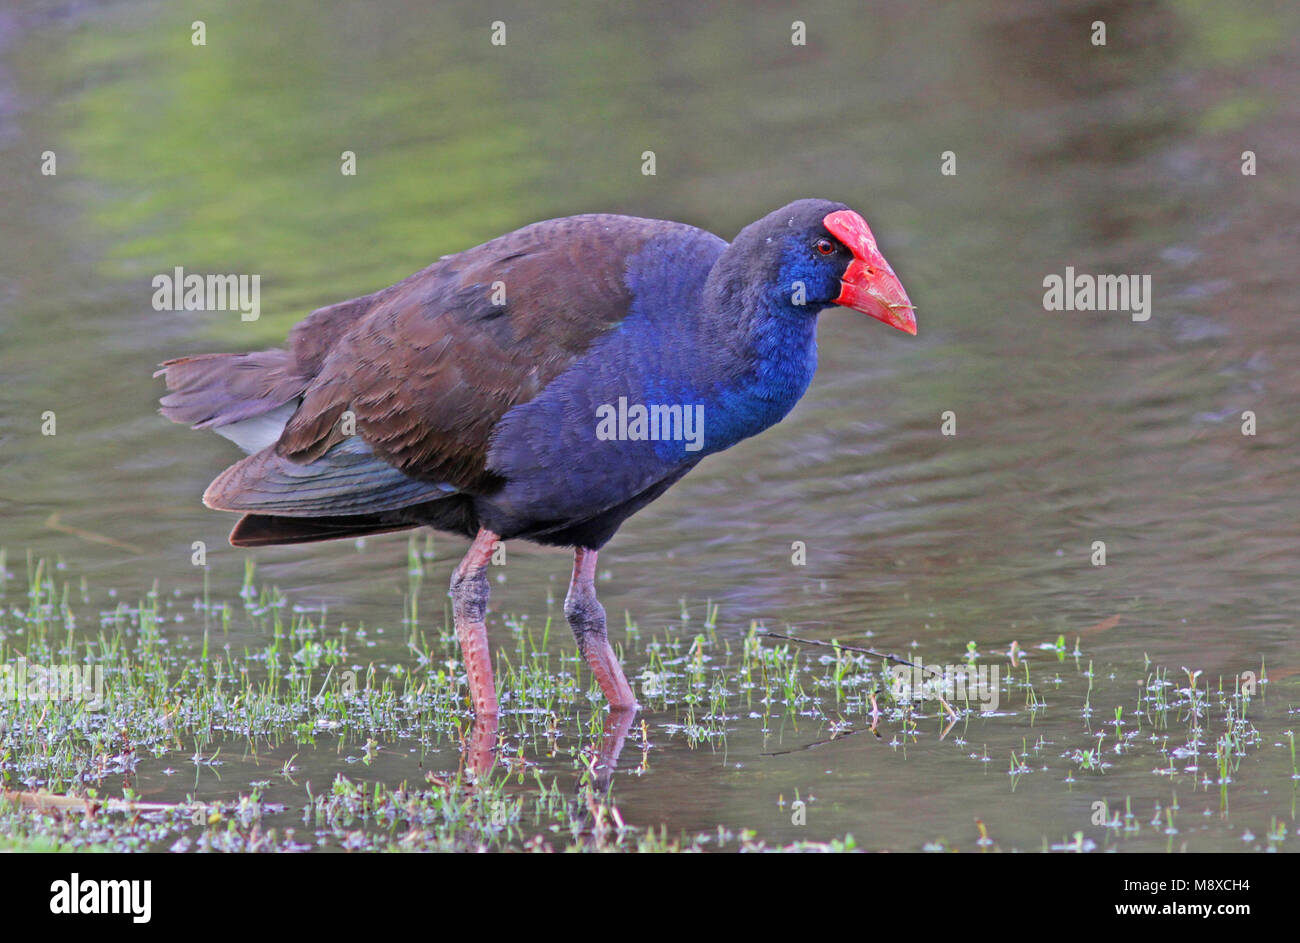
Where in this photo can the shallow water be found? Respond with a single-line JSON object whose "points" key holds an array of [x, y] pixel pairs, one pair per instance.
{"points": [[1072, 427]]}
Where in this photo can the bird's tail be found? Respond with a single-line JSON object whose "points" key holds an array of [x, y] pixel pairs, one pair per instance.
{"points": [[221, 389], [453, 513], [262, 530]]}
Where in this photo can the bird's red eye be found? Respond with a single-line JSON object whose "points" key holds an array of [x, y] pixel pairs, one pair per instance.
{"points": [[824, 246]]}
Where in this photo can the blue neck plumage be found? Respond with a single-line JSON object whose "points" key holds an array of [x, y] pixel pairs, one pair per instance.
{"points": [[738, 354], [779, 356]]}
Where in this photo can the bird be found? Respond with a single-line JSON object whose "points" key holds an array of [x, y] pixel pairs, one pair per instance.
{"points": [[545, 385]]}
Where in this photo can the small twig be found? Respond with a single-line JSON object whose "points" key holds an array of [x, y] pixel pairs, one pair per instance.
{"points": [[843, 735], [48, 800], [54, 523], [947, 730], [853, 648], [952, 714]]}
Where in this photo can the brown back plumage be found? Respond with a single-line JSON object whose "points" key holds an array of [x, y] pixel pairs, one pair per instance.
{"points": [[427, 366]]}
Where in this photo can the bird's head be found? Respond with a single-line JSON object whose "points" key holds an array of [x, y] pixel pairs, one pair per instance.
{"points": [[813, 254]]}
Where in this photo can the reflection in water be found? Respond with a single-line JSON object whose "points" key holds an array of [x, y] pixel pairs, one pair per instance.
{"points": [[1071, 427]]}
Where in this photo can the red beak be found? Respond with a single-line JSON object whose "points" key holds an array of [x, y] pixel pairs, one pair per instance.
{"points": [[869, 285]]}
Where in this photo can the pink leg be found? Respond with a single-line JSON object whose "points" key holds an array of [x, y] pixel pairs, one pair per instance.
{"points": [[596, 789], [469, 597], [617, 725], [480, 754], [587, 619]]}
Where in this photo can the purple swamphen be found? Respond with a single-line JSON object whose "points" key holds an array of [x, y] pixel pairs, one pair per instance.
{"points": [[545, 385]]}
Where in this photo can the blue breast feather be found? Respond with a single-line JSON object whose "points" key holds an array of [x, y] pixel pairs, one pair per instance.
{"points": [[669, 351]]}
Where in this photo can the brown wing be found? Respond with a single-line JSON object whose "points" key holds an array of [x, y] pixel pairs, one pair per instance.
{"points": [[218, 390], [431, 364]]}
